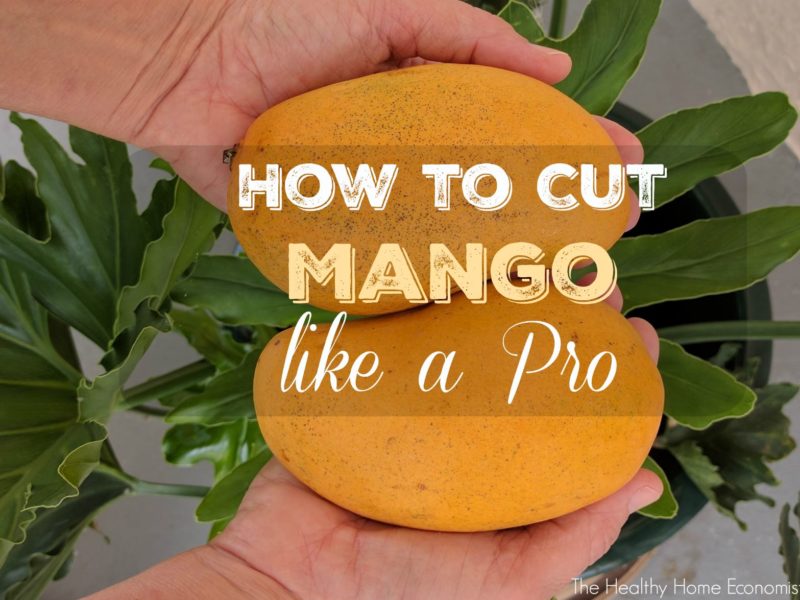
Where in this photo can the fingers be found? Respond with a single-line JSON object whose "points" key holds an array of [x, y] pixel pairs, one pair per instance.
{"points": [[564, 547], [631, 152], [453, 31], [648, 335], [630, 148]]}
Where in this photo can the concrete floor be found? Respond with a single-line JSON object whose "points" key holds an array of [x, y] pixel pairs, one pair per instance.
{"points": [[685, 66]]}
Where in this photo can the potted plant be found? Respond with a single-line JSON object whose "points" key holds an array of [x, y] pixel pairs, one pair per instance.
{"points": [[71, 262]]}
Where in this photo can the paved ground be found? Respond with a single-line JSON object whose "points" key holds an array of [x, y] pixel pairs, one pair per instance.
{"points": [[684, 67]]}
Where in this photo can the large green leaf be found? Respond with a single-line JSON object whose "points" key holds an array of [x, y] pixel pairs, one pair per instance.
{"points": [[697, 393], [521, 18], [790, 548], [44, 452], [226, 398], [698, 143], [235, 292], [188, 229], [96, 237], [684, 263], [666, 506], [48, 547], [739, 449], [606, 48], [224, 446], [223, 500]]}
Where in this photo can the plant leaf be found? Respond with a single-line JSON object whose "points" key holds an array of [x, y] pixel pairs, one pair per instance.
{"points": [[697, 143], [223, 500], [44, 452], [703, 473], [224, 446], [97, 399], [32, 564], [697, 393], [606, 48], [680, 264], [666, 507], [96, 237], [521, 18], [720, 331], [228, 397], [740, 449], [188, 230], [236, 292], [790, 548], [206, 335]]}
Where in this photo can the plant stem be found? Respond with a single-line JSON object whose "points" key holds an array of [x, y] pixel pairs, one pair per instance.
{"points": [[721, 331], [153, 411], [558, 18], [138, 486], [161, 386]]}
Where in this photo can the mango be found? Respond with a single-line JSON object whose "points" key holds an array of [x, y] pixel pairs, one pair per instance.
{"points": [[464, 460], [446, 113]]}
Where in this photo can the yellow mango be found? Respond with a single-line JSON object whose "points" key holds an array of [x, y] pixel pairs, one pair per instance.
{"points": [[466, 460], [457, 114]]}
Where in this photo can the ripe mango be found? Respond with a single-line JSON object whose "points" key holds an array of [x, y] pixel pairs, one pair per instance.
{"points": [[446, 113], [466, 460]]}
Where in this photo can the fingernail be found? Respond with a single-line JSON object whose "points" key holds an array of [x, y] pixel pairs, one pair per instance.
{"points": [[642, 497], [561, 61], [552, 52]]}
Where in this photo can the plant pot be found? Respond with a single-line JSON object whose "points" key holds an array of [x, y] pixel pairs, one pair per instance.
{"points": [[708, 199]]}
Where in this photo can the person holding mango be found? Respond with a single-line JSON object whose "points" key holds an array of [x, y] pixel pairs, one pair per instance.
{"points": [[186, 79]]}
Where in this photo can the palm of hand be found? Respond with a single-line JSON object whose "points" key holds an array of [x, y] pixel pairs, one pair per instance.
{"points": [[317, 550]]}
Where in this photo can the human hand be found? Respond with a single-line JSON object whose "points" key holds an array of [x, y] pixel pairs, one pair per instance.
{"points": [[260, 52]]}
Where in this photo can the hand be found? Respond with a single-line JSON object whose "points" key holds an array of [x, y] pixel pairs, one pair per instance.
{"points": [[262, 52]]}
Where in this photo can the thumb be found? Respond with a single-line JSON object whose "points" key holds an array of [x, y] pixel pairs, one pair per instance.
{"points": [[571, 543]]}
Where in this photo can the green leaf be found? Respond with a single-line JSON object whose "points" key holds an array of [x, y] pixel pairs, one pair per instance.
{"points": [[606, 48], [44, 554], [740, 450], [236, 292], [224, 446], [228, 397], [188, 230], [721, 331], [522, 19], [44, 452], [697, 143], [97, 399], [208, 337], [221, 503], [790, 548], [681, 263], [697, 393], [96, 237], [666, 507], [20, 205], [698, 467]]}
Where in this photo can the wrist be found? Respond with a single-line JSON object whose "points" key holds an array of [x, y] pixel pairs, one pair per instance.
{"points": [[206, 572], [102, 67]]}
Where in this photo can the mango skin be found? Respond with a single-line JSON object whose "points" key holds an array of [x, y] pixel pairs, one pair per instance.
{"points": [[465, 114], [466, 461]]}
